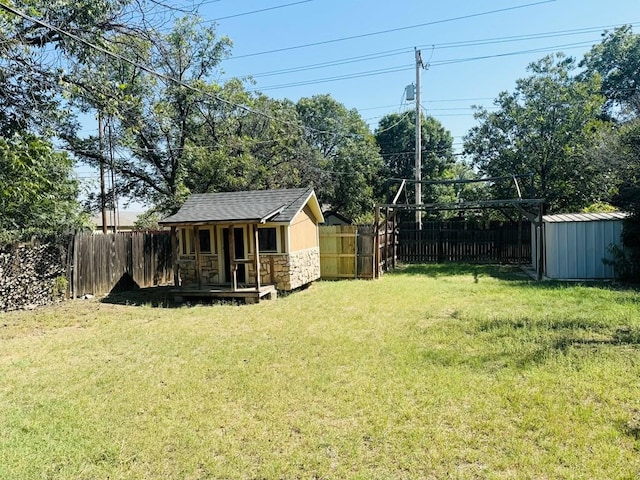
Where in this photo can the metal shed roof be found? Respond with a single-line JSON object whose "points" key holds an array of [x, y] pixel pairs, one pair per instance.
{"points": [[583, 217]]}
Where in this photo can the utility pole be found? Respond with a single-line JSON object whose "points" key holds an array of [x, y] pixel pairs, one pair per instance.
{"points": [[418, 165], [114, 196], [103, 200]]}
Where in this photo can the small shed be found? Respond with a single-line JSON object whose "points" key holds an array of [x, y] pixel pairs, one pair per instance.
{"points": [[246, 244], [334, 218], [575, 245]]}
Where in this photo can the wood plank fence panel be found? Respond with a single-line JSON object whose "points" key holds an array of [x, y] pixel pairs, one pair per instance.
{"points": [[119, 262], [366, 249], [347, 251], [338, 255], [457, 241]]}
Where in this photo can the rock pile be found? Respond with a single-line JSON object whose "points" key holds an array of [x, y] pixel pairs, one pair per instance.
{"points": [[31, 276]]}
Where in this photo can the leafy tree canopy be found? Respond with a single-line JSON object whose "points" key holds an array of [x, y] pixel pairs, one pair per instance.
{"points": [[545, 126], [154, 119], [37, 192], [345, 158], [395, 136], [617, 60]]}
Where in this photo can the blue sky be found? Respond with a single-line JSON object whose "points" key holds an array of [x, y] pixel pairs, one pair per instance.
{"points": [[475, 49], [454, 80]]}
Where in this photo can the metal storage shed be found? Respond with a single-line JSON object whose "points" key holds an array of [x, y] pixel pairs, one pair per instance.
{"points": [[576, 243]]}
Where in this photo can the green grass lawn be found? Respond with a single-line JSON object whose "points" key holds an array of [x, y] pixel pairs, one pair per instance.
{"points": [[430, 372]]}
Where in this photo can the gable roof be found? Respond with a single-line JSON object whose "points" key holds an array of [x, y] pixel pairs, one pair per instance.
{"points": [[342, 218], [255, 206]]}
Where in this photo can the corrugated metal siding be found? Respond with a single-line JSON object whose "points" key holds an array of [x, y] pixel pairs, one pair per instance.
{"points": [[574, 250]]}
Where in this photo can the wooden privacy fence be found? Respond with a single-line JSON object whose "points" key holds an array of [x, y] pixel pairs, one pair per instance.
{"points": [[349, 251], [100, 264], [459, 241]]}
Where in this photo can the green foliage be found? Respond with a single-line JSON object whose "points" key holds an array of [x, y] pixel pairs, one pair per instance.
{"points": [[623, 262], [34, 84], [395, 136], [599, 207], [546, 126], [37, 194], [617, 60], [252, 151], [156, 119], [345, 158], [148, 221], [624, 149], [59, 287]]}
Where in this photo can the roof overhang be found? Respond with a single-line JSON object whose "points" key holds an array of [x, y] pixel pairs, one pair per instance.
{"points": [[314, 206]]}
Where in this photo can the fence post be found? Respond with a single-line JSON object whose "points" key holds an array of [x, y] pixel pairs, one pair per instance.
{"points": [[74, 274], [376, 244]]}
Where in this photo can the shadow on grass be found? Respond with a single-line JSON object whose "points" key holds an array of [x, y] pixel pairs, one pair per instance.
{"points": [[519, 276], [524, 344], [161, 297], [150, 296], [435, 270], [631, 427]]}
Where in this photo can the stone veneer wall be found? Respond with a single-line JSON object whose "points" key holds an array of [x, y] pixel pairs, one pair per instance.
{"points": [[209, 270], [290, 270]]}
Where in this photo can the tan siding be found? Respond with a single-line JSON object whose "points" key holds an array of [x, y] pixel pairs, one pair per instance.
{"points": [[303, 231]]}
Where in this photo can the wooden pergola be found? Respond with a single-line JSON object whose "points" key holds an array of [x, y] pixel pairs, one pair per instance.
{"points": [[532, 208]]}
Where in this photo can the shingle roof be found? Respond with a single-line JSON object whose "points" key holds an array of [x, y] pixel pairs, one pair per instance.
{"points": [[583, 217], [250, 206]]}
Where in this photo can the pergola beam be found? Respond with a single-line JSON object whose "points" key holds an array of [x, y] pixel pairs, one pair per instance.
{"points": [[516, 202]]}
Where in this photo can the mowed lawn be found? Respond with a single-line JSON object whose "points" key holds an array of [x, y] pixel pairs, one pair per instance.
{"points": [[430, 372]]}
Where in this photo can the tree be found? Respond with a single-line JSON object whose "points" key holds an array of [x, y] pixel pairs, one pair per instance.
{"points": [[345, 157], [545, 126], [155, 118], [38, 195], [617, 61], [37, 58], [257, 147], [395, 136]]}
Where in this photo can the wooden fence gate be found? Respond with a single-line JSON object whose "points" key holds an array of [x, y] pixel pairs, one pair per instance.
{"points": [[347, 251], [357, 251]]}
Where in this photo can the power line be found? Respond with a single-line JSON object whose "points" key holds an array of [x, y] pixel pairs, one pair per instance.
{"points": [[259, 11], [509, 54], [163, 76], [407, 67], [349, 76], [391, 30], [442, 46]]}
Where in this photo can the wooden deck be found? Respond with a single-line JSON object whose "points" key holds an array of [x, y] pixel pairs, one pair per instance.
{"points": [[248, 294]]}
